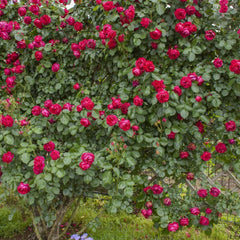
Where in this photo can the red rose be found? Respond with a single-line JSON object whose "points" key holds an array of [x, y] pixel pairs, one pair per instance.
{"points": [[79, 108], [195, 211], [78, 26], [218, 62], [173, 227], [7, 121], [55, 67], [171, 135], [55, 155], [184, 221], [140, 63], [108, 6], [48, 103], [167, 201], [173, 53], [111, 120], [208, 211], [22, 11], [135, 128], [85, 122], [210, 35], [162, 96], [67, 106], [184, 154], [36, 110], [136, 71], [180, 13], [204, 221], [70, 21], [7, 157], [49, 147], [27, 20], [206, 156], [156, 34], [88, 158], [137, 101], [145, 22], [121, 38], [190, 176], [190, 10], [38, 23], [191, 146], [23, 188], [200, 126], [112, 43], [149, 66], [45, 20], [116, 103], [178, 90], [214, 192], [55, 109], [124, 124], [149, 204], [202, 193], [186, 82], [157, 189], [84, 166], [87, 103], [45, 112], [38, 55], [147, 188], [230, 126], [158, 84], [235, 66], [34, 9], [154, 45], [198, 98], [38, 164], [221, 148]]}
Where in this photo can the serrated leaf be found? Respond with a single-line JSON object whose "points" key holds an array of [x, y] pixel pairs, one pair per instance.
{"points": [[64, 119], [25, 158], [160, 9], [107, 177], [8, 139]]}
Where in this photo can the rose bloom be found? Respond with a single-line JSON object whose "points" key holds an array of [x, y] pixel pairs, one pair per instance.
{"points": [[171, 135], [149, 204], [136, 71], [48, 103], [85, 122], [79, 108], [190, 176], [124, 124], [22, 11], [111, 120], [214, 192], [184, 154], [38, 23], [149, 66], [221, 148], [78, 26], [173, 227], [158, 84], [112, 43], [140, 63], [108, 6], [88, 158], [45, 20], [87, 103], [180, 13], [55, 155], [84, 166], [178, 90], [231, 141], [235, 66], [190, 10], [195, 211], [208, 211], [186, 82], [38, 164], [55, 109], [7, 157], [162, 96], [23, 188], [55, 67], [38, 55], [204, 221], [230, 126], [184, 221], [49, 147], [45, 112], [145, 22], [173, 53], [36, 110], [218, 62], [7, 121], [121, 38], [156, 34], [137, 101], [154, 45], [167, 201], [206, 156], [157, 189], [202, 193], [210, 35]]}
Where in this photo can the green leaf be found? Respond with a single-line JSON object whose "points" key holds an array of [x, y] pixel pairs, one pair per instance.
{"points": [[48, 177], [197, 50], [160, 9], [25, 158], [107, 177], [8, 139], [37, 130], [48, 47], [64, 119], [191, 57], [128, 192], [184, 113]]}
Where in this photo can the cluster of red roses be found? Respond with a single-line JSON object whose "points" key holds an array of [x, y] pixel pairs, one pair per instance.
{"points": [[142, 65], [108, 33], [223, 6], [185, 29], [87, 160], [210, 35], [181, 13], [81, 46], [6, 28], [173, 53], [213, 191]]}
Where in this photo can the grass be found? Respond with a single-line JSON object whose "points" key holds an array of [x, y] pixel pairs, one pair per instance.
{"points": [[103, 226]]}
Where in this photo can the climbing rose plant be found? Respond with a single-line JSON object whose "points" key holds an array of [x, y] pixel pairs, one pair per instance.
{"points": [[125, 98]]}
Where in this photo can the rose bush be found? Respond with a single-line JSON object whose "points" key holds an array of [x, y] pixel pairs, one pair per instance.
{"points": [[98, 98]]}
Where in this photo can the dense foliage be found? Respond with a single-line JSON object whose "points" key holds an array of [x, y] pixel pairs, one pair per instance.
{"points": [[124, 98]]}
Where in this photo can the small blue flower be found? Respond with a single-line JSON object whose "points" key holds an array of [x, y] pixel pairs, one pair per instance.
{"points": [[75, 237]]}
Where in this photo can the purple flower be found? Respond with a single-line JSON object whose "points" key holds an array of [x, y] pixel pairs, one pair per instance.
{"points": [[75, 237]]}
